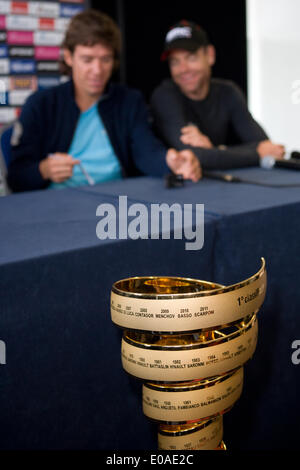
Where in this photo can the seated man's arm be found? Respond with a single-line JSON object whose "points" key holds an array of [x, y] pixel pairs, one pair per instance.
{"points": [[31, 168], [27, 149], [172, 125], [248, 130], [57, 167], [169, 116], [150, 156]]}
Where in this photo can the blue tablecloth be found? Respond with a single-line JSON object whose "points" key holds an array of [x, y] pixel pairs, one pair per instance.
{"points": [[63, 385]]}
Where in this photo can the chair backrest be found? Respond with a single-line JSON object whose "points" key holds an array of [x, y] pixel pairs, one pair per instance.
{"points": [[5, 155], [5, 136]]}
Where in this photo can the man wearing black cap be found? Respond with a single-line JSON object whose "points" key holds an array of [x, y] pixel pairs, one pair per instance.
{"points": [[208, 115]]}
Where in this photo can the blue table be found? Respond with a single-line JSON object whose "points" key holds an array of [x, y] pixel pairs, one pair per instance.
{"points": [[63, 385]]}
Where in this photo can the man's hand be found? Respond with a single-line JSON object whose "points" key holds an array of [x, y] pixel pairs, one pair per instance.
{"points": [[184, 163], [57, 167], [268, 148], [191, 135]]}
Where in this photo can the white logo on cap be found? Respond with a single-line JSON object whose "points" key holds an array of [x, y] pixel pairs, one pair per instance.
{"points": [[180, 32]]}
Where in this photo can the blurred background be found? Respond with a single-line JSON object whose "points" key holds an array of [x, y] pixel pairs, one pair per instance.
{"points": [[145, 24], [257, 44]]}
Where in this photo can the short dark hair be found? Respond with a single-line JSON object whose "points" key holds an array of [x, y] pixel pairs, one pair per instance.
{"points": [[92, 27]]}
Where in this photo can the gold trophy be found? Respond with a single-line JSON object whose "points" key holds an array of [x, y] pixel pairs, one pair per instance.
{"points": [[188, 340]]}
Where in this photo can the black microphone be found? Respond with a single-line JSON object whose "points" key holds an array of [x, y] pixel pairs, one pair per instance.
{"points": [[221, 177], [295, 155], [177, 181], [173, 181]]}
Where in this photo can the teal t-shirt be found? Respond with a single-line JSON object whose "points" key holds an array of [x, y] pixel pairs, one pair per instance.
{"points": [[91, 145]]}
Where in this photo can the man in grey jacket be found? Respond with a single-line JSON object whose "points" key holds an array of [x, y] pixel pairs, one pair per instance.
{"points": [[194, 111]]}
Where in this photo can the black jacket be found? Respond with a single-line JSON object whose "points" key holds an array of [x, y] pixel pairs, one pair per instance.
{"points": [[49, 119]]}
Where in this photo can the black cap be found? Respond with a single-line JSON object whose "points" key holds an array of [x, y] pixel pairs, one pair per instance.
{"points": [[184, 35]]}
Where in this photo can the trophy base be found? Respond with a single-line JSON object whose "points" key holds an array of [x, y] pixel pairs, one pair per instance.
{"points": [[206, 435]]}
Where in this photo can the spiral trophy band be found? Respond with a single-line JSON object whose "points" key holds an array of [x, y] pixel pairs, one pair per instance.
{"points": [[192, 357], [170, 304], [192, 401], [188, 340], [206, 435]]}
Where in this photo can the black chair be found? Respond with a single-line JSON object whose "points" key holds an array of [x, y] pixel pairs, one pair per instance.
{"points": [[5, 156]]}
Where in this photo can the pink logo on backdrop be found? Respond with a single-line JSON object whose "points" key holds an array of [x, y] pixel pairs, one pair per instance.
{"points": [[46, 53], [2, 22], [20, 37]]}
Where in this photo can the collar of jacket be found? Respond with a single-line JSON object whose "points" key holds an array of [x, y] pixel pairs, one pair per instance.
{"points": [[108, 92]]}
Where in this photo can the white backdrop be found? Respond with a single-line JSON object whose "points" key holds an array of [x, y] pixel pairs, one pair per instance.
{"points": [[273, 50]]}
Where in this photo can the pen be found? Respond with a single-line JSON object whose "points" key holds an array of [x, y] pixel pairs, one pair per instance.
{"points": [[88, 177]]}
